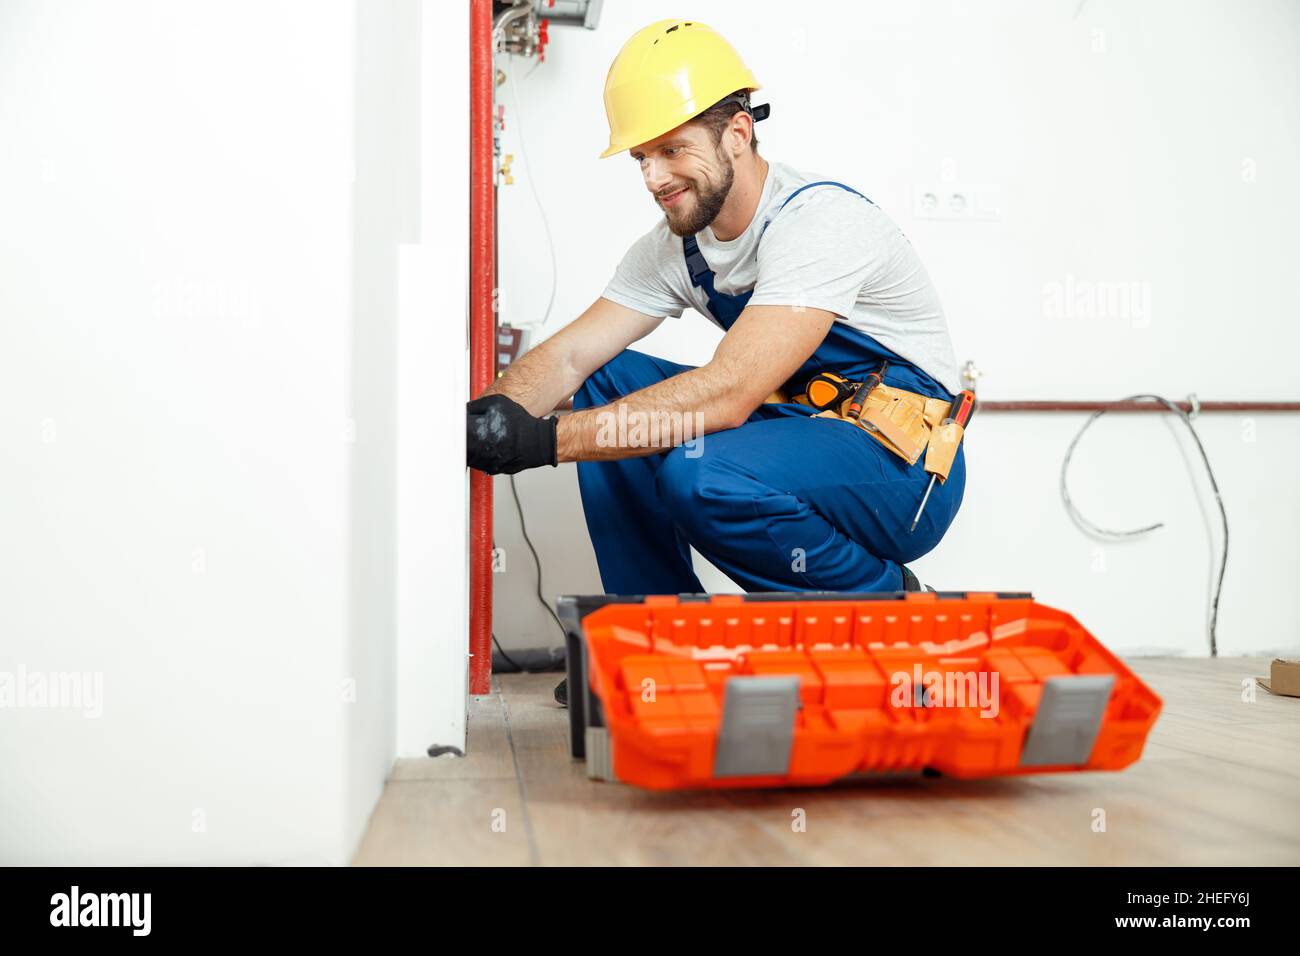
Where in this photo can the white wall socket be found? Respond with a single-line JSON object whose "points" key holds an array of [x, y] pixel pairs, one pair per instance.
{"points": [[957, 202]]}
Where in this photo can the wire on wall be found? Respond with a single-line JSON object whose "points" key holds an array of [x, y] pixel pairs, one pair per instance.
{"points": [[1107, 533], [532, 185], [523, 529]]}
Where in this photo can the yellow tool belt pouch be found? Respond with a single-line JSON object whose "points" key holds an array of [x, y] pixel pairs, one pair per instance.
{"points": [[942, 449], [907, 423]]}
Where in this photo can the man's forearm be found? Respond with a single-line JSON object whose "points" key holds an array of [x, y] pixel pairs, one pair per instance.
{"points": [[539, 380], [669, 413]]}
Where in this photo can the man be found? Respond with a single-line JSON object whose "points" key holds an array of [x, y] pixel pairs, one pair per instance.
{"points": [[785, 490]]}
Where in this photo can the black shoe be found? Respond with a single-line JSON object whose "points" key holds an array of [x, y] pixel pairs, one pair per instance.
{"points": [[911, 582], [562, 693]]}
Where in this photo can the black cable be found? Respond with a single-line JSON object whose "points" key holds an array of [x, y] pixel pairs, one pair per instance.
{"points": [[502, 651], [1093, 529], [523, 529]]}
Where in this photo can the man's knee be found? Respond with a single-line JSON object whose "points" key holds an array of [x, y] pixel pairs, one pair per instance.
{"points": [[615, 378], [691, 488]]}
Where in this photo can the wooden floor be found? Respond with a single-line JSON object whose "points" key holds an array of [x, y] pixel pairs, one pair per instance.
{"points": [[1219, 783]]}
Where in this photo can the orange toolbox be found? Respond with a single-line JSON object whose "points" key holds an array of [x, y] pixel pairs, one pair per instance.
{"points": [[802, 689]]}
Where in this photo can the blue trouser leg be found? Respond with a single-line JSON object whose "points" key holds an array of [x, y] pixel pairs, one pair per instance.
{"points": [[784, 502], [637, 543], [791, 502]]}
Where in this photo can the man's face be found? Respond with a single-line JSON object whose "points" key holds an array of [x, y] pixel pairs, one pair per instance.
{"points": [[689, 176]]}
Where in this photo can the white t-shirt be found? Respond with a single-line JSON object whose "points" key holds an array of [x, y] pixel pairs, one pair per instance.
{"points": [[828, 249]]}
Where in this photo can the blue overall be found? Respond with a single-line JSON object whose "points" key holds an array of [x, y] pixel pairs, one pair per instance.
{"points": [[785, 502]]}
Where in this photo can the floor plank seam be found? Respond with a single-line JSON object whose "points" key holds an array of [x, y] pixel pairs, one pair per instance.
{"points": [[534, 855], [1261, 767]]}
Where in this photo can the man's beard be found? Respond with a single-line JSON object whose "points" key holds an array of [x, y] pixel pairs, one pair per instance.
{"points": [[708, 203]]}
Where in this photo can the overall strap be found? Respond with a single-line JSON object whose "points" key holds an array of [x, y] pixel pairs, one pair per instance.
{"points": [[701, 274], [820, 182], [724, 308]]}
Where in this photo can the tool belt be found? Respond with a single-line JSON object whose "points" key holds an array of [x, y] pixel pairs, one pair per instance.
{"points": [[907, 423]]}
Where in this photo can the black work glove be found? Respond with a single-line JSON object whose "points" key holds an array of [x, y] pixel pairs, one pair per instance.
{"points": [[501, 438]]}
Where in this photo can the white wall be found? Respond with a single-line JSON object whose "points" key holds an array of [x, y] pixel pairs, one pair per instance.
{"points": [[202, 212], [432, 380], [1149, 143]]}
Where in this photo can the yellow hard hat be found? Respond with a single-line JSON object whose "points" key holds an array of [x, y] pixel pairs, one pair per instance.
{"points": [[666, 74]]}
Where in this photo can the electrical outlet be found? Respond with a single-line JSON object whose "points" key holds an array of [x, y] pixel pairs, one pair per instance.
{"points": [[957, 203]]}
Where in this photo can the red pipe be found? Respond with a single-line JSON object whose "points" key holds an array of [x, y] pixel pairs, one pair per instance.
{"points": [[1059, 406], [482, 334], [1065, 406]]}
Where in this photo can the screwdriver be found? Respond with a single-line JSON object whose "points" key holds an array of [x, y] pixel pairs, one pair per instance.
{"points": [[961, 413], [854, 411]]}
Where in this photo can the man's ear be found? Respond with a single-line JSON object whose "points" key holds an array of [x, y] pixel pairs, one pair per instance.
{"points": [[742, 130]]}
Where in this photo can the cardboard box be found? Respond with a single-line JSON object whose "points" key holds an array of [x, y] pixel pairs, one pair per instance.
{"points": [[1283, 679]]}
